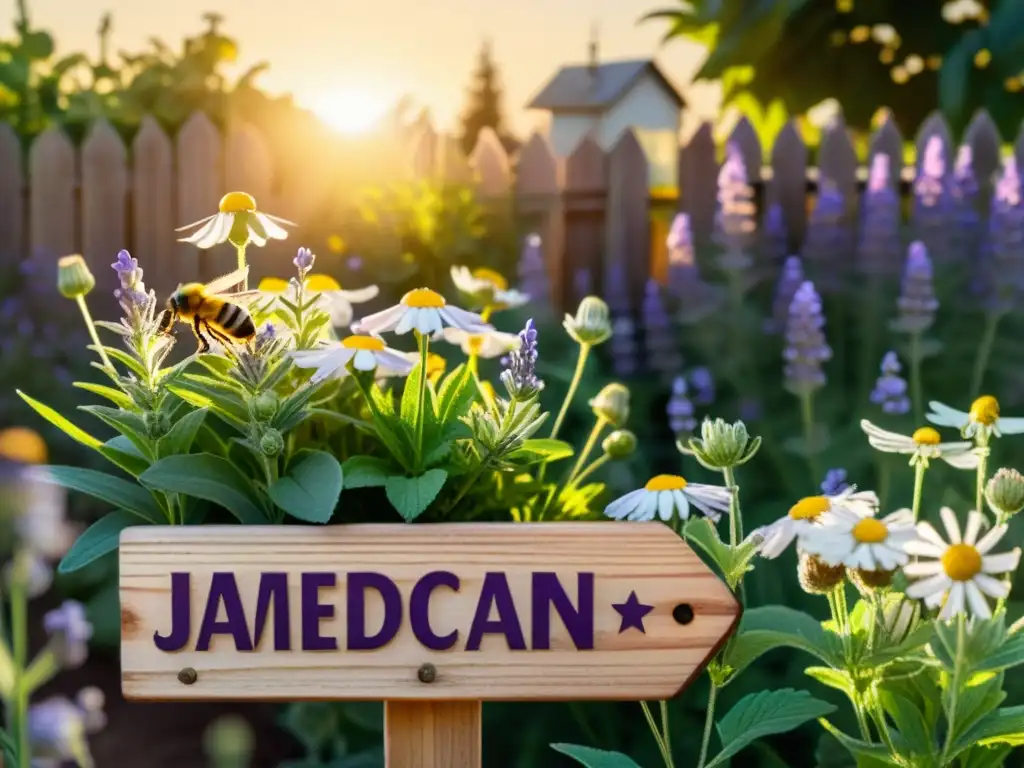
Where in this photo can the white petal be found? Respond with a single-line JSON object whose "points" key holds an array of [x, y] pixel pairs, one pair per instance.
{"points": [[358, 295], [382, 321], [410, 317], [271, 227], [777, 537], [210, 233], [952, 525], [455, 336], [979, 606], [256, 237], [646, 509], [1004, 562], [197, 223], [929, 534], [973, 527], [467, 321], [623, 505], [991, 587], [364, 360], [900, 517], [959, 459], [991, 538], [682, 505], [936, 584], [511, 298], [396, 361], [923, 568], [954, 602], [924, 548], [945, 416], [666, 505], [279, 220], [1010, 426], [889, 442]]}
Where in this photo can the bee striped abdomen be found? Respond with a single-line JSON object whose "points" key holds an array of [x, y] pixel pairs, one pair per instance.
{"points": [[235, 321]]}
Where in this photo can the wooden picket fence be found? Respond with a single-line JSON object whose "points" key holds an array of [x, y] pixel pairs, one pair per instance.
{"points": [[592, 209]]}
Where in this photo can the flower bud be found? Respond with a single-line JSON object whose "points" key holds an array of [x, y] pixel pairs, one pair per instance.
{"points": [[818, 577], [612, 405], [271, 443], [1005, 492], [899, 618], [866, 581], [620, 444], [722, 445], [264, 406], [73, 277], [592, 324], [157, 424]]}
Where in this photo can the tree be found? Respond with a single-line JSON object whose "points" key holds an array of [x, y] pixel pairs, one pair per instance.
{"points": [[959, 55], [483, 106]]}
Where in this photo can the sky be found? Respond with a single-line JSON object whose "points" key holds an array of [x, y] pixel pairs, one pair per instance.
{"points": [[340, 52]]}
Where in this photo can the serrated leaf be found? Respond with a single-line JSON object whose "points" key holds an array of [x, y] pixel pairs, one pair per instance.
{"points": [[595, 758], [311, 488], [98, 539], [209, 477], [857, 747], [768, 627], [179, 438], [1004, 726], [366, 472], [125, 495], [910, 724], [411, 496], [764, 714]]}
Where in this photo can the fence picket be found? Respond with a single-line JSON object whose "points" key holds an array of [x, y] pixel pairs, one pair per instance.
{"points": [[152, 207], [788, 186], [491, 165], [52, 203], [837, 162], [935, 125], [452, 165], [12, 192], [887, 139], [983, 138], [586, 190], [538, 204], [698, 183], [628, 215], [200, 186], [746, 138], [104, 200]]}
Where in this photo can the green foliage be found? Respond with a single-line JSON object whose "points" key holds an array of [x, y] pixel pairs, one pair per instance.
{"points": [[595, 758], [483, 104]]}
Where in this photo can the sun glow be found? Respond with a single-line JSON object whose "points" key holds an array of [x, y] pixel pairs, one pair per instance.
{"points": [[351, 110]]}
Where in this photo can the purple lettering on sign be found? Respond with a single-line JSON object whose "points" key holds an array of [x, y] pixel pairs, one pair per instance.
{"points": [[181, 615], [313, 611], [419, 610], [224, 589], [358, 583], [495, 592], [273, 588], [547, 592]]}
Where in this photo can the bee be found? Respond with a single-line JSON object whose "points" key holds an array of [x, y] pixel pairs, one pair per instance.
{"points": [[207, 308]]}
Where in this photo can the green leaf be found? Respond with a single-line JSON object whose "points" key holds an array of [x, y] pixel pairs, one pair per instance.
{"points": [[833, 678], [97, 540], [311, 488], [857, 747], [702, 532], [199, 392], [455, 395], [1004, 726], [764, 714], [1009, 654], [117, 492], [180, 437], [366, 472], [775, 626], [116, 396], [209, 477], [129, 424], [124, 358], [910, 723], [412, 495], [61, 423], [121, 452], [595, 758], [542, 449]]}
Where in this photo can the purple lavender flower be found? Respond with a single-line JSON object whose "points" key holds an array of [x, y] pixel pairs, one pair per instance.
{"points": [[70, 632], [702, 380], [680, 242], [1004, 251], [735, 224], [933, 202], [617, 290], [834, 482], [623, 347], [680, 409], [829, 241], [806, 348], [303, 261], [775, 243], [790, 280], [520, 374], [660, 344], [890, 390], [964, 190], [57, 727], [533, 273], [929, 186], [132, 294], [879, 247], [583, 284], [917, 303]]}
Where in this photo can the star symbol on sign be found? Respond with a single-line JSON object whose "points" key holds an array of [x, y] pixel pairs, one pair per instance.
{"points": [[632, 612]]}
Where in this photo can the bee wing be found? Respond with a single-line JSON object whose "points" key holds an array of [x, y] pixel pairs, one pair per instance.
{"points": [[243, 297], [227, 281]]}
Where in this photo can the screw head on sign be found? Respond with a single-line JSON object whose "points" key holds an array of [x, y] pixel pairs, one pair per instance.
{"points": [[187, 676], [427, 673]]}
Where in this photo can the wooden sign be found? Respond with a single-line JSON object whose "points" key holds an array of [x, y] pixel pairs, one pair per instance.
{"points": [[422, 616]]}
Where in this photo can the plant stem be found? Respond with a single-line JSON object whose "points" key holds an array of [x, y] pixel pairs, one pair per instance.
{"points": [[735, 523], [91, 327], [666, 736], [916, 391], [919, 470], [954, 694], [595, 433], [656, 732], [979, 487], [577, 376], [862, 722], [240, 252], [807, 418], [424, 342], [988, 339], [596, 464], [709, 722], [19, 653]]}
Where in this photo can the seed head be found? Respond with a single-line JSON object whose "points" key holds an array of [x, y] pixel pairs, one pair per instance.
{"points": [[818, 577], [1005, 492], [722, 445]]}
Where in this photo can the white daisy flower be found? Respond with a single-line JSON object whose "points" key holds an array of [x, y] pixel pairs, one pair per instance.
{"points": [[238, 220], [485, 345], [365, 353], [962, 571], [487, 287], [329, 295], [925, 444], [983, 418], [807, 512], [855, 538], [665, 496], [424, 311]]}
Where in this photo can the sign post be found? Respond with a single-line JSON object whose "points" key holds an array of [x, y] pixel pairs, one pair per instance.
{"points": [[431, 619]]}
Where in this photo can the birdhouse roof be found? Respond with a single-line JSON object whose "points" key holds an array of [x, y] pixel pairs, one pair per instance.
{"points": [[597, 88]]}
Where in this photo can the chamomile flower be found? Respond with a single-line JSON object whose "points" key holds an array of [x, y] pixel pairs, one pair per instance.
{"points": [[925, 444], [487, 288], [961, 572], [807, 512], [239, 221], [365, 353], [666, 496], [424, 311], [983, 418], [485, 345], [855, 538], [329, 295]]}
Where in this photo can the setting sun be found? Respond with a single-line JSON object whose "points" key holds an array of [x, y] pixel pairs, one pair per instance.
{"points": [[350, 110]]}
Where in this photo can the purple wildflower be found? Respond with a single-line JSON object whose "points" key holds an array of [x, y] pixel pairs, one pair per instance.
{"points": [[829, 242], [689, 293], [929, 186], [132, 293], [680, 242], [57, 727], [917, 303], [70, 632], [791, 278], [533, 273], [660, 344], [623, 347], [890, 390], [303, 261], [775, 242], [680, 409], [735, 224], [583, 284], [617, 290], [806, 347], [1004, 256], [703, 381], [965, 202], [520, 374], [879, 246], [933, 202], [834, 482]]}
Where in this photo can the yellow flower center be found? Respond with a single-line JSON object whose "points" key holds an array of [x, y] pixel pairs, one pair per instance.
{"points": [[364, 343], [985, 410], [961, 562], [810, 507], [273, 285], [22, 445], [665, 483], [321, 283], [870, 531], [926, 436], [423, 298], [435, 364], [475, 343], [491, 276], [237, 202]]}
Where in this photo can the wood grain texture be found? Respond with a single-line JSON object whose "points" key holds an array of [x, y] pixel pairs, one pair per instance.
{"points": [[433, 734], [629, 665]]}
